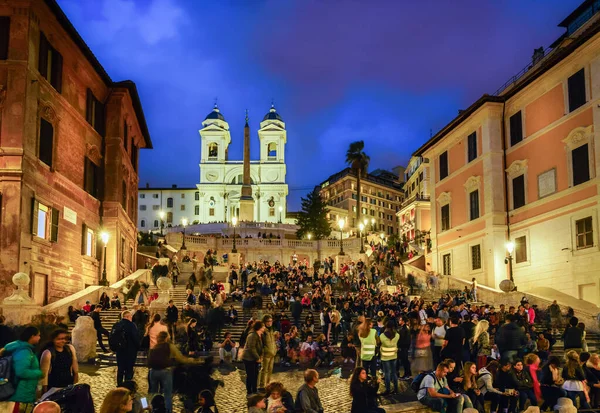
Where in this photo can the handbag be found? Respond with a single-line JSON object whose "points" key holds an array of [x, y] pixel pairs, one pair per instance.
{"points": [[421, 352]]}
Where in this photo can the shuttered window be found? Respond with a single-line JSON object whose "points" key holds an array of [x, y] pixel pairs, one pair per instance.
{"points": [[585, 233], [518, 191], [88, 241], [516, 128], [521, 249], [4, 36], [581, 164], [475, 257], [447, 264], [474, 204], [50, 63], [443, 165], [94, 113], [44, 221], [576, 84], [472, 146], [445, 213], [91, 178], [46, 142]]}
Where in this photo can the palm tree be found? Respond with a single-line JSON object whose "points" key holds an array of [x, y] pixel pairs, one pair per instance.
{"points": [[359, 161]]}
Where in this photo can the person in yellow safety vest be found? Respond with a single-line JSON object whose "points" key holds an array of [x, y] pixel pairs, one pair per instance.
{"points": [[368, 346], [389, 355]]}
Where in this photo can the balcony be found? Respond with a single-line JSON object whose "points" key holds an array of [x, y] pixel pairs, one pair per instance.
{"points": [[415, 198]]}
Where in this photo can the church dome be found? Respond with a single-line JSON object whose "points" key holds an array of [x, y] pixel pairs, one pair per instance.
{"points": [[215, 114], [272, 115]]}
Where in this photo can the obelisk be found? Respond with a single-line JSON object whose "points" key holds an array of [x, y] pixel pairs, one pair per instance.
{"points": [[246, 200]]}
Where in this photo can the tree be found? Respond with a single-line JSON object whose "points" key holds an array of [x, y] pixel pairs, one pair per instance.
{"points": [[359, 162], [313, 217]]}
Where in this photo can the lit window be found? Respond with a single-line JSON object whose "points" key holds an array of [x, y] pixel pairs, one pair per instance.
{"points": [[585, 233], [44, 222]]}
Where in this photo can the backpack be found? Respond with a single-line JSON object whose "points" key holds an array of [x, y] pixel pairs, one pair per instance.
{"points": [[481, 375], [118, 339], [416, 383], [7, 387]]}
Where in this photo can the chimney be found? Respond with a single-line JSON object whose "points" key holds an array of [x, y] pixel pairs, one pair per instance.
{"points": [[460, 112], [147, 185], [174, 186], [538, 55]]}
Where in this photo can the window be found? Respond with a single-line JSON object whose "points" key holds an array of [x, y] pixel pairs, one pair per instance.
{"points": [[213, 150], [44, 222], [516, 128], [155, 196], [142, 196], [122, 250], [134, 156], [88, 241], [585, 233], [447, 264], [142, 207], [131, 258], [472, 146], [46, 145], [182, 207], [372, 213], [443, 165], [475, 257], [143, 223], [125, 134], [196, 209], [272, 150], [169, 202], [581, 164], [521, 249], [155, 207], [94, 113], [182, 196], [124, 195], [518, 191], [445, 213], [271, 212], [576, 85], [156, 224], [91, 177], [474, 204], [4, 36], [169, 217], [50, 63], [197, 196], [211, 212]]}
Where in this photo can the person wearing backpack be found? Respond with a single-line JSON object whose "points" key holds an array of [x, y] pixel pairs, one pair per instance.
{"points": [[433, 390], [59, 362], [25, 365], [124, 340]]}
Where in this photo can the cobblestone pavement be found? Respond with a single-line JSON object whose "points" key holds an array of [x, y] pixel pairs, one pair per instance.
{"points": [[231, 398]]}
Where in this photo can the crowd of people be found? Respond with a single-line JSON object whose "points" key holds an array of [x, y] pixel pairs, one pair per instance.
{"points": [[455, 353]]}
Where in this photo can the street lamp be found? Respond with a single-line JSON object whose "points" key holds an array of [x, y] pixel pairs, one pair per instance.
{"points": [[309, 236], [104, 237], [184, 222], [234, 222], [280, 211], [341, 225], [361, 226], [161, 214], [510, 247]]}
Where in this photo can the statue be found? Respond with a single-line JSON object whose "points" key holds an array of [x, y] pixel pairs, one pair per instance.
{"points": [[83, 337]]}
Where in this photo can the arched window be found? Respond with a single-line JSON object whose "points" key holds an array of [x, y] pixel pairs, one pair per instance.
{"points": [[240, 180], [169, 217], [272, 150], [156, 224], [143, 223], [197, 210], [169, 202], [197, 196], [213, 150]]}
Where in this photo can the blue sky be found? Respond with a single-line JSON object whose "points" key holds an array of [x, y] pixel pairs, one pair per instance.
{"points": [[386, 72]]}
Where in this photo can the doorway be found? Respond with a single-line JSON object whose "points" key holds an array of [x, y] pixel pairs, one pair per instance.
{"points": [[40, 289]]}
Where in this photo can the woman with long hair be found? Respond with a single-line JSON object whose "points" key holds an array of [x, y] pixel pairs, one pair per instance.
{"points": [[551, 382], [368, 345], [252, 356], [486, 384], [389, 355], [363, 390], [532, 363], [469, 385], [119, 400], [423, 358], [193, 343], [482, 348], [575, 380], [59, 362], [153, 328]]}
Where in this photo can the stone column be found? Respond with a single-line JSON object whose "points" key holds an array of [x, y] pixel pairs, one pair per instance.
{"points": [[19, 308]]}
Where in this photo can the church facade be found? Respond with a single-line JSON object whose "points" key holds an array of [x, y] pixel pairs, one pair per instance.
{"points": [[221, 179]]}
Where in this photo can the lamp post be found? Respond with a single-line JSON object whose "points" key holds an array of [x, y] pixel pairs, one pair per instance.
{"points": [[234, 222], [280, 212], [104, 237], [361, 226], [161, 214], [510, 247], [309, 236], [184, 222], [341, 225]]}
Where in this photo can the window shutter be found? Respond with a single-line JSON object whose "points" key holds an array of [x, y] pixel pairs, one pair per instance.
{"points": [[576, 84], [83, 239], [4, 36], [46, 142], [57, 63], [34, 215], [443, 165], [99, 120], [54, 228], [43, 57], [516, 128], [89, 106], [581, 164], [518, 191]]}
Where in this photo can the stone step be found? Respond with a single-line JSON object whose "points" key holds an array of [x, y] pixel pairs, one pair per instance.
{"points": [[408, 407]]}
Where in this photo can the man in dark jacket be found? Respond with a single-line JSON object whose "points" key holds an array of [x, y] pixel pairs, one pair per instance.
{"points": [[403, 346], [308, 396], [573, 336], [296, 310], [100, 331], [509, 339], [346, 318], [127, 353], [172, 317]]}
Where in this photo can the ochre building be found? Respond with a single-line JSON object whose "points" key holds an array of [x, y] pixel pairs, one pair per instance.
{"points": [[69, 145]]}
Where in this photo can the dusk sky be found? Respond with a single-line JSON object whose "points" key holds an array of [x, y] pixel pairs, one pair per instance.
{"points": [[386, 72]]}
